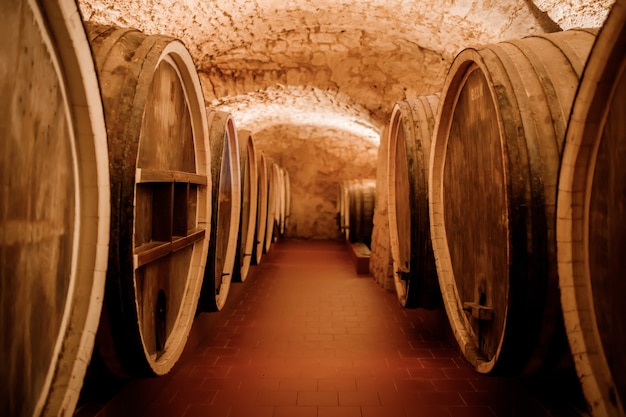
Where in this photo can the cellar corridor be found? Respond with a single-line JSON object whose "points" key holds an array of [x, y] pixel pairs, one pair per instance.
{"points": [[305, 336]]}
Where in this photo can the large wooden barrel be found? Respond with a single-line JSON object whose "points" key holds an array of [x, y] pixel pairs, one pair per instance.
{"points": [[226, 203], [280, 195], [287, 198], [381, 262], [249, 204], [591, 234], [261, 220], [272, 205], [415, 273], [160, 197], [492, 190], [342, 199], [54, 207], [361, 197]]}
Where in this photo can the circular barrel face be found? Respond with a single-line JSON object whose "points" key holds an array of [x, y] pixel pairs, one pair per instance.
{"points": [[272, 208], [226, 202], [163, 211], [492, 192], [262, 209], [476, 210], [249, 205], [54, 213], [411, 128], [401, 249]]}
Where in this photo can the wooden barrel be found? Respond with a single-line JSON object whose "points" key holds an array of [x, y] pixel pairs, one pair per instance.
{"points": [[249, 204], [344, 206], [591, 236], [415, 273], [272, 193], [226, 203], [272, 206], [160, 208], [54, 207], [281, 201], [360, 206], [278, 179], [261, 220], [492, 191], [287, 198], [339, 206]]}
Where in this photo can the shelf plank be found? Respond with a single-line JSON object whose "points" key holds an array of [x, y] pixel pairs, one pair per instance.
{"points": [[152, 251], [153, 175]]}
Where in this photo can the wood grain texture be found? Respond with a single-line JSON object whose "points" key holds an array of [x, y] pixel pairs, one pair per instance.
{"points": [[226, 203], [410, 137], [494, 170], [54, 207], [261, 220], [249, 204]]}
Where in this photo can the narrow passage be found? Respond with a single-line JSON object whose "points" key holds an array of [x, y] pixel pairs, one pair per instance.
{"points": [[305, 336]]}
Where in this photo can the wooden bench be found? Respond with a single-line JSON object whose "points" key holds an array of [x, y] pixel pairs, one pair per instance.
{"points": [[360, 254]]}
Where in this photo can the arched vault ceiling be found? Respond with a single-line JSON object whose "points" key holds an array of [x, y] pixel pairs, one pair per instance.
{"points": [[365, 54], [299, 106]]}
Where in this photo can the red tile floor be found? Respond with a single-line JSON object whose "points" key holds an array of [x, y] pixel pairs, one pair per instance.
{"points": [[305, 336]]}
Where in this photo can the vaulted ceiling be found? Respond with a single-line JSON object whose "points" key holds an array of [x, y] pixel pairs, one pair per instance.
{"points": [[332, 64]]}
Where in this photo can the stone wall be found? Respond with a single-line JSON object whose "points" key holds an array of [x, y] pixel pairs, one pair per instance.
{"points": [[317, 160]]}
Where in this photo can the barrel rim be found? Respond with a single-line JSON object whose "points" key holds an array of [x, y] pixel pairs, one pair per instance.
{"points": [[223, 137], [262, 211], [247, 243], [91, 174], [584, 134], [178, 57], [464, 64], [415, 282]]}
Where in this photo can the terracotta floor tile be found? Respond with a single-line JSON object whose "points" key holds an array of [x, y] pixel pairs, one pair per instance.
{"points": [[374, 383], [337, 384], [231, 397], [274, 398], [438, 363], [301, 411], [453, 385], [318, 398], [297, 384], [194, 396], [380, 411], [359, 398], [471, 411], [166, 410], [203, 410], [441, 398], [306, 337], [416, 353], [221, 383], [249, 411], [349, 411], [427, 411], [414, 385], [428, 373], [259, 383]]}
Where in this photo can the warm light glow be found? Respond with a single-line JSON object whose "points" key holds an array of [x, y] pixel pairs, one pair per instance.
{"points": [[299, 106]]}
